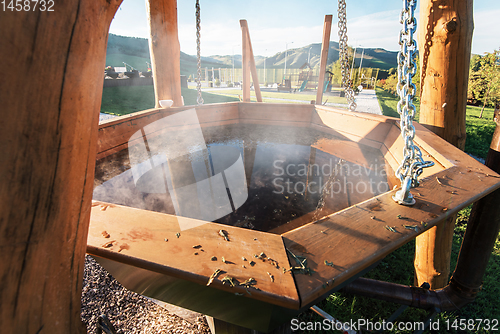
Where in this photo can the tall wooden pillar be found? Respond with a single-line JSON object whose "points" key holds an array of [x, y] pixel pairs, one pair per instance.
{"points": [[248, 64], [325, 46], [445, 37], [51, 86], [165, 50]]}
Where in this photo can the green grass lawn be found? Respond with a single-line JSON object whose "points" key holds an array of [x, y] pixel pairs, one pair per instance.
{"points": [[125, 100], [479, 130], [281, 97], [129, 99]]}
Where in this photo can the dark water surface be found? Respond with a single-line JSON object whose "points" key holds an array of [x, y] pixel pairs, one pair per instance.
{"points": [[252, 176]]}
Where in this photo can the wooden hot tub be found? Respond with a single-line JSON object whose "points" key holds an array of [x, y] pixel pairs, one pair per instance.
{"points": [[163, 241]]}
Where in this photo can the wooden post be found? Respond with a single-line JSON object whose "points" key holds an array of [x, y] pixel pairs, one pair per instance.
{"points": [[248, 64], [165, 50], [53, 71], [327, 27], [445, 37]]}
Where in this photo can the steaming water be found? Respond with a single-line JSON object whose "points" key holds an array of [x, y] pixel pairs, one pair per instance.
{"points": [[286, 174]]}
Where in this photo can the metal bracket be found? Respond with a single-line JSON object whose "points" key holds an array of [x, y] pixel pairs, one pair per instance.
{"points": [[403, 196]]}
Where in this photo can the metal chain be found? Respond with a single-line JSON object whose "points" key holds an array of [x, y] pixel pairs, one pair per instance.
{"points": [[412, 165], [344, 58], [199, 99]]}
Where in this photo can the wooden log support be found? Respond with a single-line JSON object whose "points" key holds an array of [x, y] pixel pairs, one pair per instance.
{"points": [[165, 50], [327, 27], [51, 89], [482, 228], [445, 31], [248, 64]]}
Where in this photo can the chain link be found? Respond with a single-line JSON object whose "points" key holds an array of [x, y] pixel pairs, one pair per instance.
{"points": [[412, 165], [344, 58], [199, 99]]}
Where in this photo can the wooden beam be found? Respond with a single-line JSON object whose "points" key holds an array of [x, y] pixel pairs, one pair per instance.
{"points": [[165, 50], [253, 68], [248, 64], [445, 31], [327, 27], [445, 37], [245, 64], [51, 97]]}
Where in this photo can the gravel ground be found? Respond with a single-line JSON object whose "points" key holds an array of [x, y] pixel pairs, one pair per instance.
{"points": [[127, 311]]}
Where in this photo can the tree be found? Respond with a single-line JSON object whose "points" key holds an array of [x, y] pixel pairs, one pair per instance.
{"points": [[390, 84], [336, 69], [484, 79]]}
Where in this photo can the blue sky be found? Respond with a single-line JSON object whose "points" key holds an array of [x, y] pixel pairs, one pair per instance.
{"points": [[273, 24]]}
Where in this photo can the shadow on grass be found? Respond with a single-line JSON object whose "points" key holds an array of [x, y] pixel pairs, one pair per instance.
{"points": [[389, 104]]}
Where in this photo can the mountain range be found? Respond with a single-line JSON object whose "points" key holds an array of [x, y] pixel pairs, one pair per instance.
{"points": [[135, 52]]}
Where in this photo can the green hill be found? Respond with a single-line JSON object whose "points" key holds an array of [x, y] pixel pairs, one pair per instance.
{"points": [[132, 50], [135, 51], [375, 58]]}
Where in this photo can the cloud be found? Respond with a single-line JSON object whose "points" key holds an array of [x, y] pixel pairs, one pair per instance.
{"points": [[486, 31], [222, 39], [378, 30], [374, 30]]}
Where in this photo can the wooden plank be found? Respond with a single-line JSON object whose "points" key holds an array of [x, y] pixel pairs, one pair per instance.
{"points": [[393, 151], [390, 161], [347, 136], [276, 112], [125, 145], [368, 128], [375, 117], [353, 241], [347, 150], [245, 62], [249, 65], [51, 94], [114, 136], [165, 50], [132, 242], [393, 145], [276, 123], [325, 46], [435, 150]]}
